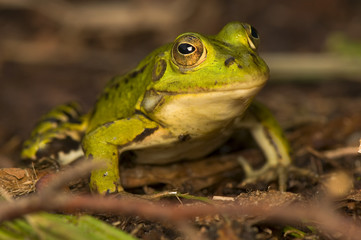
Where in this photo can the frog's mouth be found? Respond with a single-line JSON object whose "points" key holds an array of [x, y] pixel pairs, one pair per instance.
{"points": [[250, 82], [199, 113], [228, 101], [246, 86]]}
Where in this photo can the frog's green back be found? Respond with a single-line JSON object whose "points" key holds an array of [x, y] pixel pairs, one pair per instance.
{"points": [[122, 93]]}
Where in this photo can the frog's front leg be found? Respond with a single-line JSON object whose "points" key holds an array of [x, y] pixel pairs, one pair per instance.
{"points": [[270, 138], [105, 143]]}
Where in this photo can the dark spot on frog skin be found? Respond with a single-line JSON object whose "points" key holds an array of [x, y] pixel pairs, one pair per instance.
{"points": [[145, 133], [215, 83], [159, 69], [184, 137], [113, 79], [231, 60], [57, 145], [135, 73], [51, 120], [116, 86], [104, 95], [74, 108], [68, 115], [74, 120], [71, 117], [272, 142], [90, 156]]}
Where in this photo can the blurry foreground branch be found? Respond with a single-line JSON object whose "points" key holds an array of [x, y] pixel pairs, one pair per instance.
{"points": [[259, 206]]}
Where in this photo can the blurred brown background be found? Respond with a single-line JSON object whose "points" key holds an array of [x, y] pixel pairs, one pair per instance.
{"points": [[56, 51]]}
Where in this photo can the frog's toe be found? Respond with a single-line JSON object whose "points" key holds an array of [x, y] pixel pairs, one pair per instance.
{"points": [[106, 189], [105, 185], [269, 172]]}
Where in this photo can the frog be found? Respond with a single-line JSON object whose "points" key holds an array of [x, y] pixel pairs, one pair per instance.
{"points": [[180, 103]]}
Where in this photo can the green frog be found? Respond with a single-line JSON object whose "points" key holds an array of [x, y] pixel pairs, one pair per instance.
{"points": [[181, 102]]}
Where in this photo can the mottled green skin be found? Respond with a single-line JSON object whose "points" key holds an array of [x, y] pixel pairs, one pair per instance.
{"points": [[123, 94], [165, 111], [62, 124]]}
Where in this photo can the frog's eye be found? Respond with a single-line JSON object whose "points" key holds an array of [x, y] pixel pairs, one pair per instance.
{"points": [[254, 33], [188, 51], [253, 37]]}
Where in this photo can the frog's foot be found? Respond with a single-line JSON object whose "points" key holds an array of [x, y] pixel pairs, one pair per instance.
{"points": [[105, 182], [271, 172]]}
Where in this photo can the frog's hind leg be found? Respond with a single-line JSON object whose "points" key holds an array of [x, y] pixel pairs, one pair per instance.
{"points": [[57, 135], [270, 138]]}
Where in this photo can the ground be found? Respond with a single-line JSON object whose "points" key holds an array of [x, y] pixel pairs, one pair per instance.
{"points": [[51, 55]]}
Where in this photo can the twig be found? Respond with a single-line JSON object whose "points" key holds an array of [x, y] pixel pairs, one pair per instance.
{"points": [[340, 152], [200, 174], [324, 218], [63, 178]]}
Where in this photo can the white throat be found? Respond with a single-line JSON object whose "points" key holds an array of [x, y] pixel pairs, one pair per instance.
{"points": [[201, 113]]}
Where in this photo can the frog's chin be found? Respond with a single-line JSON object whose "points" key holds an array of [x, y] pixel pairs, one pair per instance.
{"points": [[203, 112]]}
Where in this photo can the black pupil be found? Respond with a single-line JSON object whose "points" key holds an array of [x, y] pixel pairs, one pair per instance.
{"points": [[186, 48], [254, 32]]}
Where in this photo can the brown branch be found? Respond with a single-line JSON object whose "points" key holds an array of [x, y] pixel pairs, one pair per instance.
{"points": [[198, 174], [341, 152], [324, 218], [63, 178]]}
